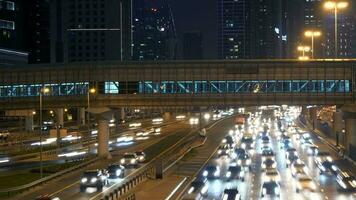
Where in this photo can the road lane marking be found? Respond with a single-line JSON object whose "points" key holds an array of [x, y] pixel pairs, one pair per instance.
{"points": [[64, 188]]}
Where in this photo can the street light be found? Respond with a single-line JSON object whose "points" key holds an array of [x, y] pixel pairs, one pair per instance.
{"points": [[90, 91], [336, 6], [312, 34], [304, 49], [43, 91], [303, 58]]}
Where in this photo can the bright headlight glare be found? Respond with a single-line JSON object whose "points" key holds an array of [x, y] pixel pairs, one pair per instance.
{"points": [[93, 180], [84, 180], [205, 173]]}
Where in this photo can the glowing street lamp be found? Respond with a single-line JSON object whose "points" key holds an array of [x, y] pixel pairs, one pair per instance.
{"points": [[303, 49], [303, 58], [336, 6], [90, 91], [312, 35], [43, 91]]}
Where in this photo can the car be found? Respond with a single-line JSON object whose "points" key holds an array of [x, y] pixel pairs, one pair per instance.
{"points": [[271, 189], [116, 171], [325, 166], [323, 155], [238, 151], [247, 142], [304, 182], [298, 168], [94, 178], [231, 194], [212, 172], [291, 151], [235, 172], [269, 163], [313, 150], [244, 160], [271, 175], [267, 153], [346, 181], [286, 144], [197, 190], [291, 158], [229, 140], [129, 159], [141, 156], [224, 150], [305, 138]]}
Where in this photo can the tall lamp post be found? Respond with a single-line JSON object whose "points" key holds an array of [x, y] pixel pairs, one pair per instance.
{"points": [[336, 6], [312, 35], [43, 91], [90, 91]]}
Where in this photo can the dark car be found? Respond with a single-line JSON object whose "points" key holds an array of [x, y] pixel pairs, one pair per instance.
{"points": [[239, 151], [197, 189], [326, 166], [229, 140], [235, 172], [211, 172], [291, 158], [267, 153], [231, 194], [271, 189], [116, 171], [286, 144], [224, 150], [269, 164], [94, 178], [346, 181]]}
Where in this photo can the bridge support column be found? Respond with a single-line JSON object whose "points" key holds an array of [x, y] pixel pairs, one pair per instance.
{"points": [[313, 117], [103, 139], [29, 123], [81, 116], [338, 126], [60, 119], [350, 143], [167, 116], [122, 114]]}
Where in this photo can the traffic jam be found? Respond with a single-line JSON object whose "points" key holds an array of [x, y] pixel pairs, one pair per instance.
{"points": [[267, 155]]}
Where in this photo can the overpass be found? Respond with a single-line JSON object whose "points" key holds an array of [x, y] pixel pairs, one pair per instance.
{"points": [[180, 83]]}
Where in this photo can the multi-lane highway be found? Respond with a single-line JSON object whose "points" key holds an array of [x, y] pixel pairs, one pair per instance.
{"points": [[68, 187], [266, 135]]}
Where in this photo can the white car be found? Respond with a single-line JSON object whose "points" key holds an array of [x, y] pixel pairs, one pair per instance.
{"points": [[271, 175], [129, 159], [304, 182]]}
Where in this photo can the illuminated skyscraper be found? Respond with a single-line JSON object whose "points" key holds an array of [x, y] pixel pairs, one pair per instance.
{"points": [[154, 34]]}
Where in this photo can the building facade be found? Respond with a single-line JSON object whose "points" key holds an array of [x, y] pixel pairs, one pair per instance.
{"points": [[154, 34], [90, 30], [249, 29]]}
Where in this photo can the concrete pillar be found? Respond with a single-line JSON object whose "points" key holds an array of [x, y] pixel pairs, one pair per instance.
{"points": [[338, 125], [122, 114], [167, 115], [60, 119], [29, 123], [350, 143], [313, 117], [81, 116], [103, 139]]}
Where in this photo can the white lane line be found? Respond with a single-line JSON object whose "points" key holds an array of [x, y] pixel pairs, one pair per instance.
{"points": [[176, 188], [64, 188]]}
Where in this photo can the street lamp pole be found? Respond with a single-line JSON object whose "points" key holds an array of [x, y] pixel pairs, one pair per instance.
{"points": [[90, 91], [335, 6], [312, 34], [43, 90]]}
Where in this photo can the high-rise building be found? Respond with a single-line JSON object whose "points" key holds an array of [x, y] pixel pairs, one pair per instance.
{"points": [[192, 46], [154, 34], [11, 33], [249, 29], [90, 30]]}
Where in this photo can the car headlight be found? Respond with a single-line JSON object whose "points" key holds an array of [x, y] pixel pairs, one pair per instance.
{"points": [[239, 162], [322, 168], [264, 191], [342, 184], [228, 174], [224, 141], [84, 180], [329, 159], [118, 172], [93, 180], [334, 168], [274, 165], [216, 173], [219, 151], [243, 145], [242, 173], [141, 157], [132, 161], [205, 173], [248, 162], [276, 190], [263, 166], [204, 189], [313, 186], [122, 161]]}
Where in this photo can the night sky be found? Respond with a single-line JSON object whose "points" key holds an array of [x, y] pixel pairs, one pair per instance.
{"points": [[197, 15]]}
